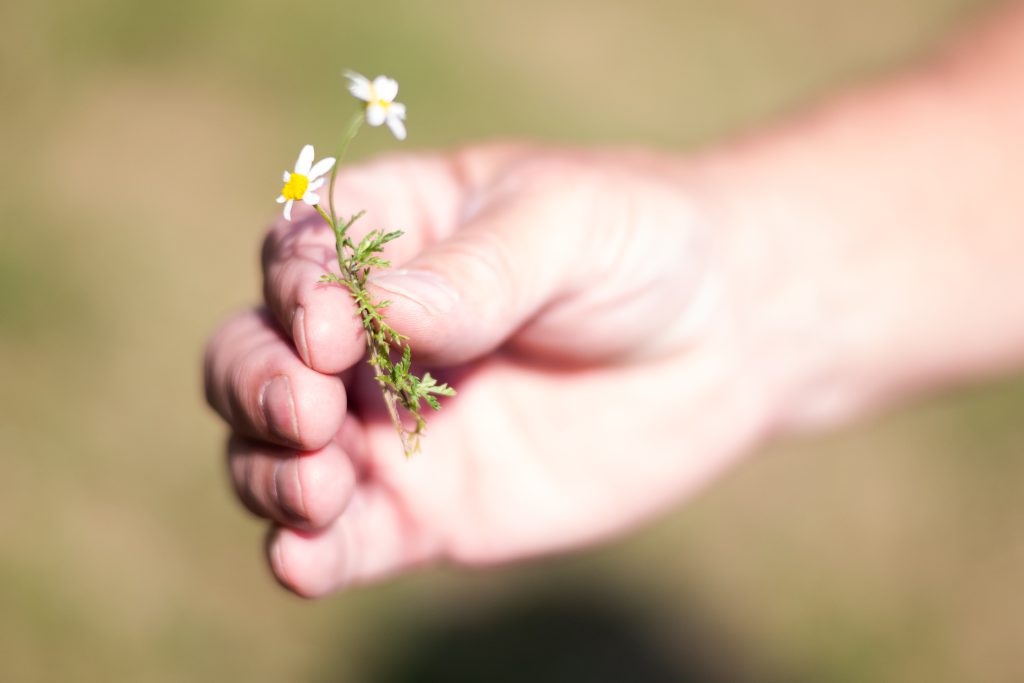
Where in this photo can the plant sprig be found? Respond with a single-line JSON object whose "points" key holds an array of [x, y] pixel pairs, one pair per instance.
{"points": [[389, 352], [399, 386]]}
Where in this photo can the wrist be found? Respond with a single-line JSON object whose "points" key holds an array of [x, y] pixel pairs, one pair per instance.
{"points": [[858, 274]]}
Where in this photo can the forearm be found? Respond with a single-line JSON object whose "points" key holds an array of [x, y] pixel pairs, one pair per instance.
{"points": [[888, 227]]}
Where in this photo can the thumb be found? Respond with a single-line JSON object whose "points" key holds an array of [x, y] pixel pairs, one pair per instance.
{"points": [[465, 295]]}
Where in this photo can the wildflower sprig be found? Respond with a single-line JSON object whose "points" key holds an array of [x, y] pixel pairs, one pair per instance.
{"points": [[388, 350]]}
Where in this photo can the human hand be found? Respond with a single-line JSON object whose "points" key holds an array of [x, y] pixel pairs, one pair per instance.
{"points": [[585, 310]]}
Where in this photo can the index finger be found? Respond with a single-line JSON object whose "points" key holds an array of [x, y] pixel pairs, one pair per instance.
{"points": [[427, 196], [420, 195]]}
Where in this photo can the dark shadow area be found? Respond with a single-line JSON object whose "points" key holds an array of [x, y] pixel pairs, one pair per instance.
{"points": [[579, 634]]}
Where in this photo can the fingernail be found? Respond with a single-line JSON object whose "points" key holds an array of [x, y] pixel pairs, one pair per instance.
{"points": [[429, 290], [276, 560], [299, 334], [287, 490], [279, 409]]}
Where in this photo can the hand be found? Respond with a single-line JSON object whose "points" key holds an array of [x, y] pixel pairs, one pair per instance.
{"points": [[580, 304]]}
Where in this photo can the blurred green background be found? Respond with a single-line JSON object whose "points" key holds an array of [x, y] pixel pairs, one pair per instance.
{"points": [[144, 143]]}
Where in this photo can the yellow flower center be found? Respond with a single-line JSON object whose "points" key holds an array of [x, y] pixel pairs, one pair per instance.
{"points": [[296, 186], [374, 99]]}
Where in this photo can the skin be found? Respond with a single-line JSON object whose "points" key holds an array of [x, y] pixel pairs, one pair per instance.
{"points": [[622, 325]]}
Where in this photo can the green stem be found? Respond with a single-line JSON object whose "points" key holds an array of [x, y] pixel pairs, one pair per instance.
{"points": [[410, 440], [350, 132], [338, 240], [327, 218], [379, 351]]}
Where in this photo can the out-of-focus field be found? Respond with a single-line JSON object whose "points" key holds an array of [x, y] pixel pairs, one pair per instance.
{"points": [[142, 146]]}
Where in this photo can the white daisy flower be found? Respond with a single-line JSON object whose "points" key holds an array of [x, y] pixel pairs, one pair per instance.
{"points": [[304, 181], [379, 95]]}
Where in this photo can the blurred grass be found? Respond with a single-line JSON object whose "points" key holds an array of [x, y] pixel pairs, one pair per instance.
{"points": [[141, 141]]}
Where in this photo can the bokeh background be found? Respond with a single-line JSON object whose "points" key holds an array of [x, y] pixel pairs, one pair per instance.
{"points": [[142, 146]]}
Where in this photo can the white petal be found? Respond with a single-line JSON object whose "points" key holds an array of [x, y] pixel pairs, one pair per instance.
{"points": [[287, 175], [311, 198], [359, 85], [281, 199], [317, 184], [397, 127], [321, 167], [397, 109], [288, 209], [385, 88], [375, 114], [304, 161]]}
